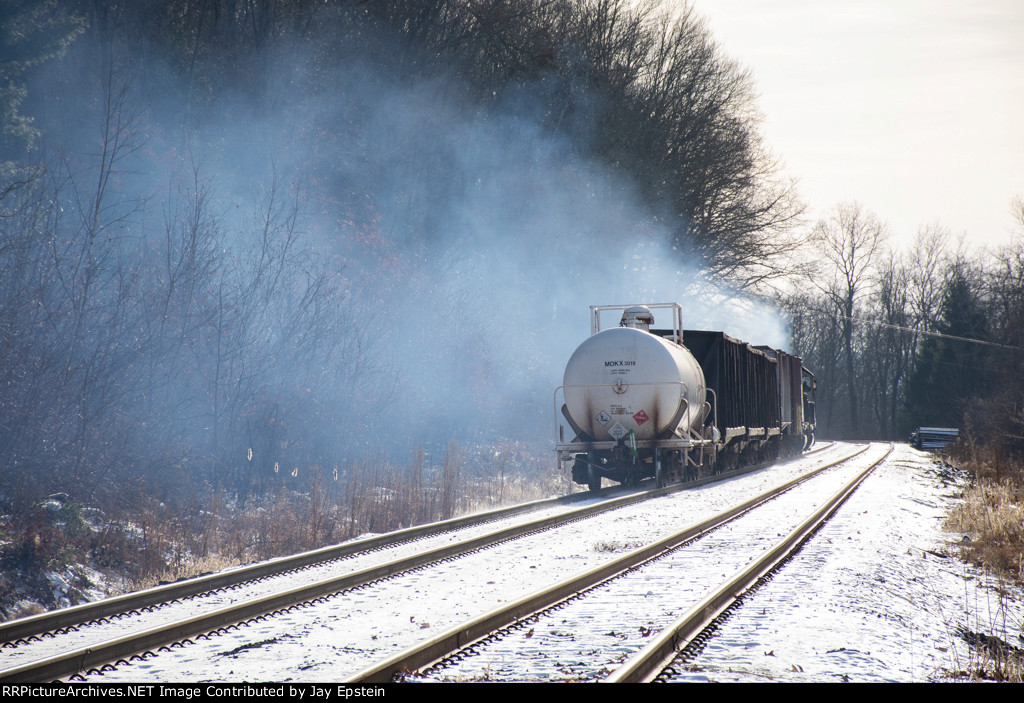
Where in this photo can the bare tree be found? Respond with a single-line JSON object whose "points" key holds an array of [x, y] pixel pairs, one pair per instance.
{"points": [[927, 259], [888, 345], [851, 240], [689, 133], [1004, 407]]}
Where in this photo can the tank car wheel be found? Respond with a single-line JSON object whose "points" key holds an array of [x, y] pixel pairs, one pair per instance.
{"points": [[593, 478], [670, 468]]}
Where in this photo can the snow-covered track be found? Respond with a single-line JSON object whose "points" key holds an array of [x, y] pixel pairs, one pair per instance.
{"points": [[16, 632], [100, 651], [468, 635], [66, 619], [647, 664]]}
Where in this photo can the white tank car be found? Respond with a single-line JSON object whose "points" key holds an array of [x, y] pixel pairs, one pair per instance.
{"points": [[627, 378]]}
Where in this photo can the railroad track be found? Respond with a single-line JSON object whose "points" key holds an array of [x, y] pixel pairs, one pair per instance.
{"points": [[657, 656], [67, 619], [98, 652], [442, 655]]}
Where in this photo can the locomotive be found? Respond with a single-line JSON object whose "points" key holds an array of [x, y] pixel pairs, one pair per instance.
{"points": [[677, 404]]}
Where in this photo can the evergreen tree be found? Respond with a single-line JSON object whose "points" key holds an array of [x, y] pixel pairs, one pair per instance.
{"points": [[951, 368]]}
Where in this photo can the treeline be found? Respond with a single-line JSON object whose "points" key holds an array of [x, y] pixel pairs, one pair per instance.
{"points": [[160, 356], [929, 336], [208, 206], [642, 88]]}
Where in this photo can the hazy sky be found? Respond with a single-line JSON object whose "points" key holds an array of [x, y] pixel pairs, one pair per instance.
{"points": [[914, 108]]}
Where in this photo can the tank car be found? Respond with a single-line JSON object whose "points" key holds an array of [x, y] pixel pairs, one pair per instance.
{"points": [[675, 404]]}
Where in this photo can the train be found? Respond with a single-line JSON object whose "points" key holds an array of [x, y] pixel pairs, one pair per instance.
{"points": [[675, 405]]}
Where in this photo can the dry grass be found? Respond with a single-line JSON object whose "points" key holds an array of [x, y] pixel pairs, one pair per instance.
{"points": [[191, 569], [145, 541], [990, 659], [991, 518], [991, 515]]}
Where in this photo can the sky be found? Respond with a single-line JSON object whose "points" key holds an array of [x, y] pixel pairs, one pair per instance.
{"points": [[913, 108]]}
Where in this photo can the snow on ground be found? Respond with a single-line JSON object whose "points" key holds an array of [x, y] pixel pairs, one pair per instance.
{"points": [[171, 612], [593, 635], [877, 595], [868, 598]]}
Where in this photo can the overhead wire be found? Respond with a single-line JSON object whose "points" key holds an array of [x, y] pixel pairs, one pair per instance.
{"points": [[926, 333]]}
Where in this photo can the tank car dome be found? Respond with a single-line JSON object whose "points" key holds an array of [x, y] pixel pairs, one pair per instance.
{"points": [[638, 316]]}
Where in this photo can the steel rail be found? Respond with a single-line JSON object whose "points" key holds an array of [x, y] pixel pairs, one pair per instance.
{"points": [[70, 618], [67, 619], [462, 636], [827, 445], [92, 655], [645, 665]]}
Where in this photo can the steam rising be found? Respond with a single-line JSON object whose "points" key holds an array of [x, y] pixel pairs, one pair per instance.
{"points": [[470, 239]]}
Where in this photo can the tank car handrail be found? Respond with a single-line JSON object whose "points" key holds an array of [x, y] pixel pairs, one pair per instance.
{"points": [[677, 316], [715, 406]]}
